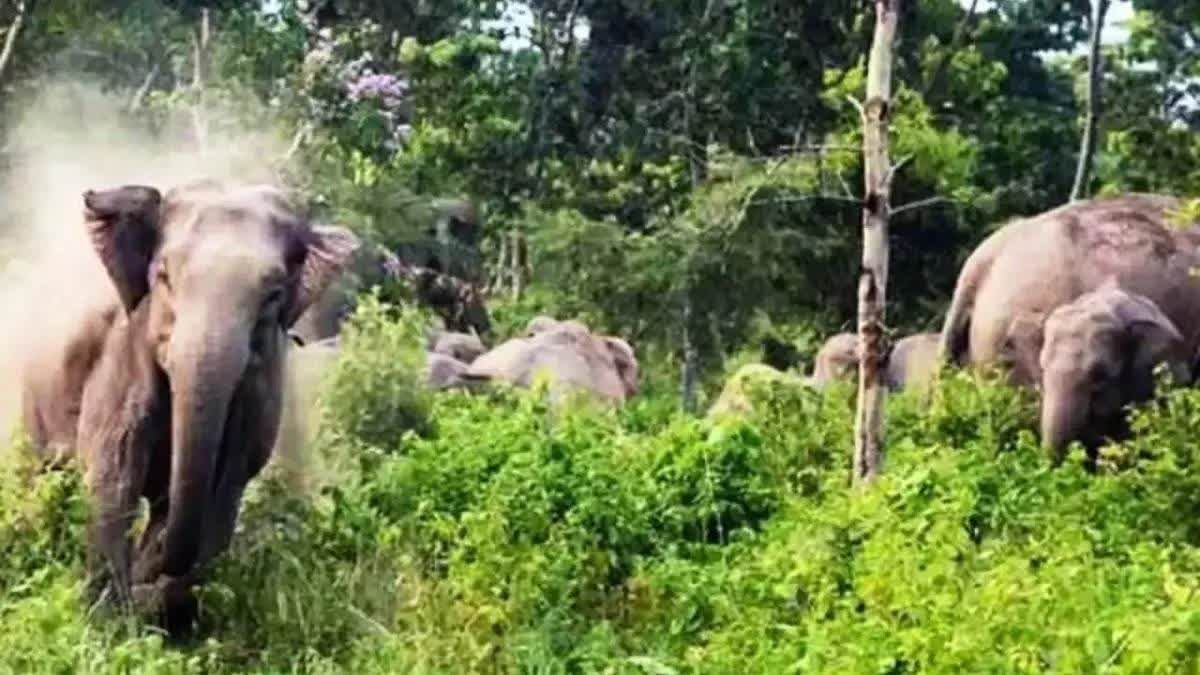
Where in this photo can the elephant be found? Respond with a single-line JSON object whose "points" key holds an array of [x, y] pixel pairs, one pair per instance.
{"points": [[570, 354], [451, 244], [171, 388], [835, 360], [1094, 356], [464, 347], [912, 361], [444, 372], [460, 304], [1030, 267]]}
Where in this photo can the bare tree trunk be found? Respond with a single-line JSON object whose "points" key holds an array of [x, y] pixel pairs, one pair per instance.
{"points": [[691, 359], [1095, 102], [501, 270], [520, 264], [200, 54], [872, 284], [10, 38]]}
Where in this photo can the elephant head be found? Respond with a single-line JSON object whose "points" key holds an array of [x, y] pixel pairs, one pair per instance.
{"points": [[210, 278], [626, 362], [1098, 354]]}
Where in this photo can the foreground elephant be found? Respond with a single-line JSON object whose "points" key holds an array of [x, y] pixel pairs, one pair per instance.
{"points": [[1040, 267], [913, 361], [172, 391], [567, 352], [1098, 354], [1032, 266]]}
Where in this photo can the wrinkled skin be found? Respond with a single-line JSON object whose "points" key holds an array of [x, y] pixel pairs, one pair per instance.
{"points": [[178, 378], [569, 354], [913, 361], [1098, 355], [462, 347], [1030, 267], [836, 360]]}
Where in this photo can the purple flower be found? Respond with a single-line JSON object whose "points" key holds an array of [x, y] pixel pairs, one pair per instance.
{"points": [[388, 89]]}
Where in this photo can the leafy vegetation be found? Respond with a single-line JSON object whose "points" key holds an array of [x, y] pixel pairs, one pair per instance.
{"points": [[654, 155], [517, 539]]}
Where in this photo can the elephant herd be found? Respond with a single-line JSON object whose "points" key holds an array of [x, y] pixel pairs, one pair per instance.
{"points": [[567, 353], [170, 387], [1081, 304]]}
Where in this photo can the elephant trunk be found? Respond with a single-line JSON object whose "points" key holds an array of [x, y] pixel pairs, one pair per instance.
{"points": [[1064, 419], [207, 363]]}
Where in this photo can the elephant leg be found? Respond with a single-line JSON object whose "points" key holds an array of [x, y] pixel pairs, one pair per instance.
{"points": [[150, 553], [115, 483]]}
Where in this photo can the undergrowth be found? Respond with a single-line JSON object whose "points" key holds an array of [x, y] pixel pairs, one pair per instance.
{"points": [[494, 534]]}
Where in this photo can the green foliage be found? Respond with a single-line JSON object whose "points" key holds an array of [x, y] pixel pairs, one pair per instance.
{"points": [[517, 539], [376, 394]]}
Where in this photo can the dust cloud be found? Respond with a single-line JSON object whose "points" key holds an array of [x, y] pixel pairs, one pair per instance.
{"points": [[69, 138]]}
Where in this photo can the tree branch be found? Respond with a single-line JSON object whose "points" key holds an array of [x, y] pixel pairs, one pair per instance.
{"points": [[862, 112], [920, 204], [140, 95], [894, 169], [1087, 144], [10, 40], [951, 49]]}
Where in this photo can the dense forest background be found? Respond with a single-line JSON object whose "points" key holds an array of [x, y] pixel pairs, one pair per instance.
{"points": [[656, 155], [687, 174]]}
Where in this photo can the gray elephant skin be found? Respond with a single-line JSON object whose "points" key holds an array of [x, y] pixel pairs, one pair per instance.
{"points": [[1094, 356], [172, 390], [911, 361], [835, 360], [569, 354], [1028, 269]]}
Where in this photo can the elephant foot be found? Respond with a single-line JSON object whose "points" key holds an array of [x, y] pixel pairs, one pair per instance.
{"points": [[171, 602]]}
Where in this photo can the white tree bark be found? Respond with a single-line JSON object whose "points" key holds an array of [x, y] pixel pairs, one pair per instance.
{"points": [[872, 284], [10, 37], [1095, 85], [200, 55]]}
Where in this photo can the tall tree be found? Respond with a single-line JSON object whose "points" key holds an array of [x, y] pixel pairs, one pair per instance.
{"points": [[10, 36], [1087, 145], [878, 173]]}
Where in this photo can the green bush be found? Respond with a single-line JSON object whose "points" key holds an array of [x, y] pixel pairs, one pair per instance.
{"points": [[514, 538], [375, 393]]}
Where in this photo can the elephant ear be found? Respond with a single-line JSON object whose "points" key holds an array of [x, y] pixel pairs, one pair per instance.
{"points": [[626, 362], [328, 251], [1153, 338], [1023, 347], [123, 226]]}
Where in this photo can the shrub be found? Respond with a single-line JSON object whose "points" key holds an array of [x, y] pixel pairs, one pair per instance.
{"points": [[375, 393], [518, 539]]}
